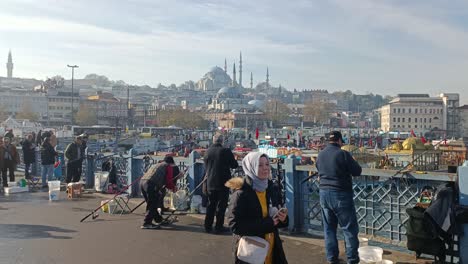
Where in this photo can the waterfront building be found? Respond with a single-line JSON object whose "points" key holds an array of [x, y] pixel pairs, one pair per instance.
{"points": [[14, 101], [60, 105]]}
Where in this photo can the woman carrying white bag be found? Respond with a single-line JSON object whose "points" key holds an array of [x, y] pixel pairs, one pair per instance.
{"points": [[253, 219]]}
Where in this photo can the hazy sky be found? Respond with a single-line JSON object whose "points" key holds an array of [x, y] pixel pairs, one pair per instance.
{"points": [[384, 47]]}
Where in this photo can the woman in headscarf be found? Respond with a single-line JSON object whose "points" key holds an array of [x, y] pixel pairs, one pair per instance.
{"points": [[251, 212]]}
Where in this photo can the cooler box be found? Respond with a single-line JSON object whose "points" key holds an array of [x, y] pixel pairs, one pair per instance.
{"points": [[74, 190], [15, 189]]}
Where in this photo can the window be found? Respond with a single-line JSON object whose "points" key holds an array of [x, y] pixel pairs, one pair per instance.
{"points": [[425, 120], [394, 119], [409, 110], [398, 125], [430, 120], [403, 126], [409, 126], [415, 126], [425, 111], [398, 110], [430, 111], [398, 119], [403, 110], [409, 118], [416, 111], [416, 119], [394, 126], [394, 110]]}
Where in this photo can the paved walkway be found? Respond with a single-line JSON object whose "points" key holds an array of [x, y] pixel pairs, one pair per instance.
{"points": [[35, 230]]}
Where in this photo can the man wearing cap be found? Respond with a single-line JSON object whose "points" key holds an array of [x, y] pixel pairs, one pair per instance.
{"points": [[335, 169], [73, 156], [218, 162]]}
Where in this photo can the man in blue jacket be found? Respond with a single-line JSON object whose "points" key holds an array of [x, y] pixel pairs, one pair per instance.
{"points": [[336, 168]]}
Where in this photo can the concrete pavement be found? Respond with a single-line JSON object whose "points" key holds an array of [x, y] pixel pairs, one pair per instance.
{"points": [[35, 230]]}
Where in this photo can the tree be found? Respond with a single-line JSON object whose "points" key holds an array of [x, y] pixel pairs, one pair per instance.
{"points": [[276, 111], [85, 117], [56, 82], [318, 112], [182, 118], [27, 113]]}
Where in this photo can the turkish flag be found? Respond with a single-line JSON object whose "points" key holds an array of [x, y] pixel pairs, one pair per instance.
{"points": [[423, 140], [412, 133], [289, 136], [256, 133]]}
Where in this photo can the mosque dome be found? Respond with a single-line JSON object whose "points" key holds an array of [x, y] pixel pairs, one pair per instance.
{"points": [[229, 92], [413, 143], [257, 103]]}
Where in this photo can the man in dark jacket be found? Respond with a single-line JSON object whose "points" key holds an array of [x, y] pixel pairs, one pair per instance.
{"points": [[218, 162], [48, 155], [29, 154], [11, 158], [73, 157], [336, 168]]}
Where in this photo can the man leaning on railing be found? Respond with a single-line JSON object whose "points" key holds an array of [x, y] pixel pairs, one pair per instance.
{"points": [[336, 168]]}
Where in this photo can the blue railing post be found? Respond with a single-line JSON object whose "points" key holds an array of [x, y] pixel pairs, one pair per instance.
{"points": [[195, 172], [135, 170], [89, 175], [293, 194], [463, 187]]}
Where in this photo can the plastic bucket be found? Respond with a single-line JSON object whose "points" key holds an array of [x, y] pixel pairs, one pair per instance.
{"points": [[54, 195], [54, 185], [370, 254], [195, 204]]}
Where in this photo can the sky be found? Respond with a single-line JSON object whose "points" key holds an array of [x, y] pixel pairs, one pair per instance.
{"points": [[366, 46]]}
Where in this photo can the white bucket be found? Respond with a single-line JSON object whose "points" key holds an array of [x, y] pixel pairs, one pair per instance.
{"points": [[370, 254], [54, 195], [363, 242], [54, 185], [386, 261]]}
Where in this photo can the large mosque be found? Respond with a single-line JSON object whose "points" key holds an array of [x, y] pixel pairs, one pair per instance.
{"points": [[228, 93]]}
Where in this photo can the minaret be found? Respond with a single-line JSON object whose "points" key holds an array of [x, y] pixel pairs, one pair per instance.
{"points": [[251, 80], [9, 66], [234, 82], [225, 65], [268, 79], [240, 70]]}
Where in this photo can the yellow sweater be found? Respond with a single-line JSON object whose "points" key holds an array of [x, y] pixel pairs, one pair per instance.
{"points": [[270, 237]]}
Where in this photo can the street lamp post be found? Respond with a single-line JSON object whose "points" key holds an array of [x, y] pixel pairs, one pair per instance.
{"points": [[73, 95]]}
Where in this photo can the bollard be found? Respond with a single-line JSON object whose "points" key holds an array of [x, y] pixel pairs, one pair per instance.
{"points": [[195, 173], [463, 198]]}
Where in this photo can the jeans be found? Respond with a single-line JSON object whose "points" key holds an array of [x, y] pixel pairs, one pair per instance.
{"points": [[338, 208], [217, 204], [8, 169], [47, 172]]}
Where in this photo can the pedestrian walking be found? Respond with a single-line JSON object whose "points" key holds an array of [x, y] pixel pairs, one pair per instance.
{"points": [[10, 156], [73, 156], [335, 169], [48, 155], [251, 210], [29, 154], [218, 162]]}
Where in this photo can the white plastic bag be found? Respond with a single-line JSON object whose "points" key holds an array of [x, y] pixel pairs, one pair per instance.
{"points": [[252, 249]]}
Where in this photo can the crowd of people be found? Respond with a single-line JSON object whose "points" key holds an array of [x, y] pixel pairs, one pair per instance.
{"points": [[45, 142]]}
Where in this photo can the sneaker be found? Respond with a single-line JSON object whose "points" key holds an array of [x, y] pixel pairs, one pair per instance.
{"points": [[222, 230], [150, 226]]}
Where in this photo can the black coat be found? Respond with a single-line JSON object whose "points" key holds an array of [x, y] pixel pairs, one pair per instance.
{"points": [[218, 162], [245, 217], [29, 152], [48, 154]]}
